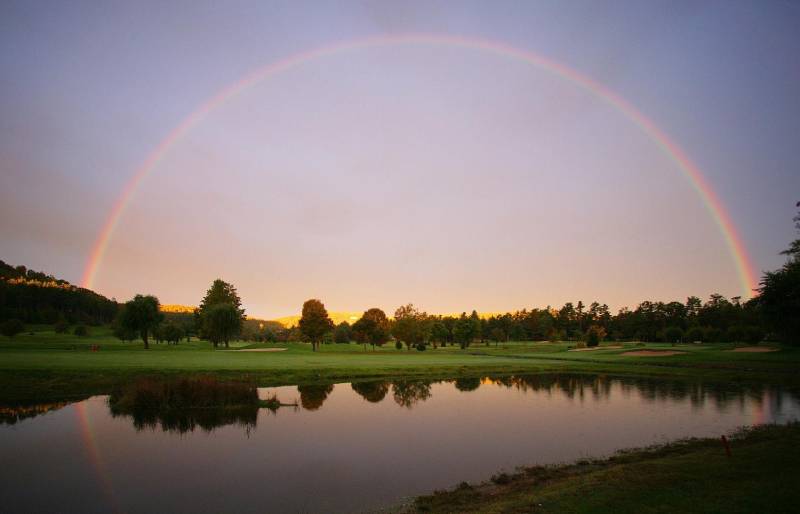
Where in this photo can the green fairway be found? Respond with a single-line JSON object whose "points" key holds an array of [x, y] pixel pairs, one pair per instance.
{"points": [[40, 364], [687, 476]]}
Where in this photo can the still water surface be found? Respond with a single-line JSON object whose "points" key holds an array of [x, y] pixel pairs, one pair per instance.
{"points": [[348, 448]]}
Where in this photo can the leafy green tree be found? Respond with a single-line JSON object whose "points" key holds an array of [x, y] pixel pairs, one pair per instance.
{"points": [[221, 323], [314, 322], [497, 335], [172, 333], [779, 298], [342, 333], [220, 293], [673, 334], [372, 328], [12, 327], [694, 334], [61, 326], [465, 331], [439, 333], [594, 335], [411, 326], [141, 315], [122, 332]]}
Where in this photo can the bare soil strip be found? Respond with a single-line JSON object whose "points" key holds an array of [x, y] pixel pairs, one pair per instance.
{"points": [[262, 350], [613, 347], [652, 353], [754, 349]]}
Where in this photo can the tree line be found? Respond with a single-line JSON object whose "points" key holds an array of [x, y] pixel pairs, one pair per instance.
{"points": [[35, 297], [773, 314]]}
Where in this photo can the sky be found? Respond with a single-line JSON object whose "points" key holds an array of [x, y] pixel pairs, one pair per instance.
{"points": [[448, 176]]}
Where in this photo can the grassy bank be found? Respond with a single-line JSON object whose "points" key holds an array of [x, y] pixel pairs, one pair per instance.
{"points": [[688, 476], [42, 365]]}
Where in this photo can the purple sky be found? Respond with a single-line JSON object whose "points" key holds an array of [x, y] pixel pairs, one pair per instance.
{"points": [[451, 178]]}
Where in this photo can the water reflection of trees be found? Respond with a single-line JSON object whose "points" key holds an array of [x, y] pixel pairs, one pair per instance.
{"points": [[373, 392], [467, 383], [407, 393], [189, 419], [13, 414], [183, 404], [649, 389], [313, 396]]}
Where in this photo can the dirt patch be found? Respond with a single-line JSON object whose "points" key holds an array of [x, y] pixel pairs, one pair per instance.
{"points": [[652, 353], [754, 349], [615, 347], [261, 350]]}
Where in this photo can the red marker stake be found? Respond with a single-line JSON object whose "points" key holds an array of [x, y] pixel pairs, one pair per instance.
{"points": [[727, 445]]}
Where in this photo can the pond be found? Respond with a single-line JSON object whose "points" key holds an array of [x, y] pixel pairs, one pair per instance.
{"points": [[348, 447]]}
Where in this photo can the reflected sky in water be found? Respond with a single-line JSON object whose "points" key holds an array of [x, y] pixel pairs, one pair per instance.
{"points": [[350, 447]]}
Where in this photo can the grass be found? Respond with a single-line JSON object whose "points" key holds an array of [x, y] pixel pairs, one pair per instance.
{"points": [[40, 365], [687, 476]]}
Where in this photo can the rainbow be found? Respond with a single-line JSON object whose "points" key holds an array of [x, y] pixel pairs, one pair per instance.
{"points": [[95, 458], [713, 204]]}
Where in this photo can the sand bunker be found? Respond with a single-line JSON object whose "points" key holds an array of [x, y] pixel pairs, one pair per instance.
{"points": [[615, 347], [652, 353], [262, 350], [755, 349]]}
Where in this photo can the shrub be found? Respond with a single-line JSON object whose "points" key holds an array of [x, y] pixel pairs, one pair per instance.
{"points": [[421, 347], [81, 331], [398, 345], [579, 344], [11, 327], [594, 335], [501, 478], [61, 326]]}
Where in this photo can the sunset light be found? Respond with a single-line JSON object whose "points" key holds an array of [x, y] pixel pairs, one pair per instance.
{"points": [[401, 257]]}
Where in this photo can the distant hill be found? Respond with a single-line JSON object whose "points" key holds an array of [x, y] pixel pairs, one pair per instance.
{"points": [[353, 316], [175, 308], [37, 297], [337, 317]]}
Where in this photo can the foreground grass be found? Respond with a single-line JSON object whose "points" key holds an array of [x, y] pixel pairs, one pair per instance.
{"points": [[687, 476], [42, 366]]}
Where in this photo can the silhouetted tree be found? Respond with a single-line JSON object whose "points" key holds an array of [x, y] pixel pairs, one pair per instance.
{"points": [[315, 323], [411, 326], [12, 327], [221, 323], [372, 328], [342, 333], [172, 333], [220, 293], [673, 334], [465, 330], [141, 315]]}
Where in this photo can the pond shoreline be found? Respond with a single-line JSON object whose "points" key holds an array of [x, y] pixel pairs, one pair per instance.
{"points": [[691, 475]]}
